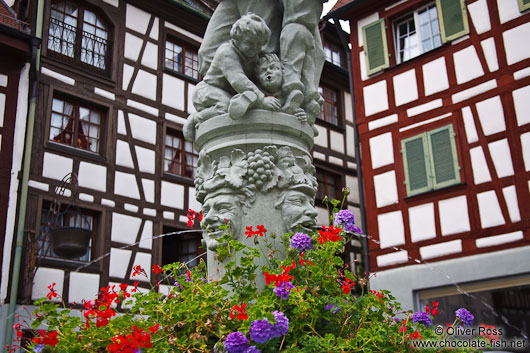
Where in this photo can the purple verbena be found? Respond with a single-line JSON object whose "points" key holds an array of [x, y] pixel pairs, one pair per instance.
{"points": [[301, 242], [424, 318], [465, 316], [347, 219], [281, 327], [253, 349], [236, 342], [38, 348], [260, 331], [333, 308], [283, 290]]}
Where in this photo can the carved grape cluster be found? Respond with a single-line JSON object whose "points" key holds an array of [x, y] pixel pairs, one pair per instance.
{"points": [[260, 167]]}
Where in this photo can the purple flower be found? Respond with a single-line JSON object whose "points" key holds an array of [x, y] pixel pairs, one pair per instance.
{"points": [[236, 342], [38, 348], [347, 219], [301, 241], [253, 349], [283, 290], [260, 331], [333, 308], [465, 316], [397, 319], [137, 350], [281, 327], [422, 317]]}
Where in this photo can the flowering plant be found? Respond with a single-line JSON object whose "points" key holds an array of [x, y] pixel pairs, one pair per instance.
{"points": [[310, 301]]}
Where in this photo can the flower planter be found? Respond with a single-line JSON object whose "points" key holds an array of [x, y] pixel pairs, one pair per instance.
{"points": [[70, 242]]}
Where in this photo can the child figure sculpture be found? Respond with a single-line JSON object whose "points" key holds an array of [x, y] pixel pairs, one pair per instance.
{"points": [[227, 86]]}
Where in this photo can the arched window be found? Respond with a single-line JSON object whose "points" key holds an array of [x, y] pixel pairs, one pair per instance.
{"points": [[78, 33]]}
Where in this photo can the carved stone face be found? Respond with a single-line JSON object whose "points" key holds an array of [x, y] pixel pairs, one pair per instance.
{"points": [[298, 211], [215, 210], [270, 76]]}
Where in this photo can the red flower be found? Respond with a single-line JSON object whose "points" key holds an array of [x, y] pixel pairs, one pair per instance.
{"points": [[302, 261], [415, 335], [138, 270], [249, 232], [49, 338], [157, 269], [331, 233], [403, 327], [378, 294], [52, 293], [155, 328], [200, 216], [135, 289], [434, 308], [347, 285], [261, 230], [241, 314]]}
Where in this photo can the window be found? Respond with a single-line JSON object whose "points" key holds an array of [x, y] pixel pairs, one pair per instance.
{"points": [[66, 217], [180, 157], [524, 5], [79, 34], [329, 111], [182, 59], [184, 248], [430, 161], [76, 125], [417, 32], [329, 184], [334, 54]]}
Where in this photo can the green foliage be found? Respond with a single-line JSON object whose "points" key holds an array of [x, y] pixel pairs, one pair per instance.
{"points": [[195, 315]]}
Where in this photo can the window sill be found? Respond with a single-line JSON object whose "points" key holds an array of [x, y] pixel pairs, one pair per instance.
{"points": [[327, 124], [76, 68], [76, 151], [435, 192], [178, 178], [70, 264], [181, 75]]}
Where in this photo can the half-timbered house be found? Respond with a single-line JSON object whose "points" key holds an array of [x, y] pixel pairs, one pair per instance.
{"points": [[115, 81], [442, 92]]}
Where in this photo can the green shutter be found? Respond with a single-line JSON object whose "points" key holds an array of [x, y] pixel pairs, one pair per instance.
{"points": [[416, 164], [375, 46], [442, 152], [524, 5], [453, 19]]}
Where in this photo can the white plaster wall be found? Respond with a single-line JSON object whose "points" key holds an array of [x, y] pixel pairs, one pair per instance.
{"points": [[474, 91], [150, 57], [508, 10], [16, 166], [525, 145], [337, 141], [144, 260], [491, 115], [319, 155], [173, 92], [86, 197], [467, 65], [144, 107], [119, 260], [502, 159], [137, 20], [2, 108], [490, 53], [55, 166], [104, 93], [353, 184], [350, 141], [175, 118], [156, 28], [385, 189], [510, 196], [125, 185], [146, 159], [121, 123], [375, 98], [92, 176], [454, 216], [405, 87], [38, 185], [45, 277], [480, 16], [168, 215], [149, 212], [489, 209], [192, 201], [499, 239], [107, 202], [425, 107], [521, 101], [435, 76], [387, 120], [191, 107], [143, 129], [322, 216], [145, 85], [172, 195], [322, 138], [132, 46], [481, 172], [65, 79], [130, 207], [123, 154], [393, 258], [422, 225], [83, 286], [146, 240], [127, 74], [516, 43], [149, 190], [469, 124], [442, 249], [124, 228], [115, 3], [381, 150], [363, 22], [362, 62], [519, 74], [348, 111], [391, 230]]}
